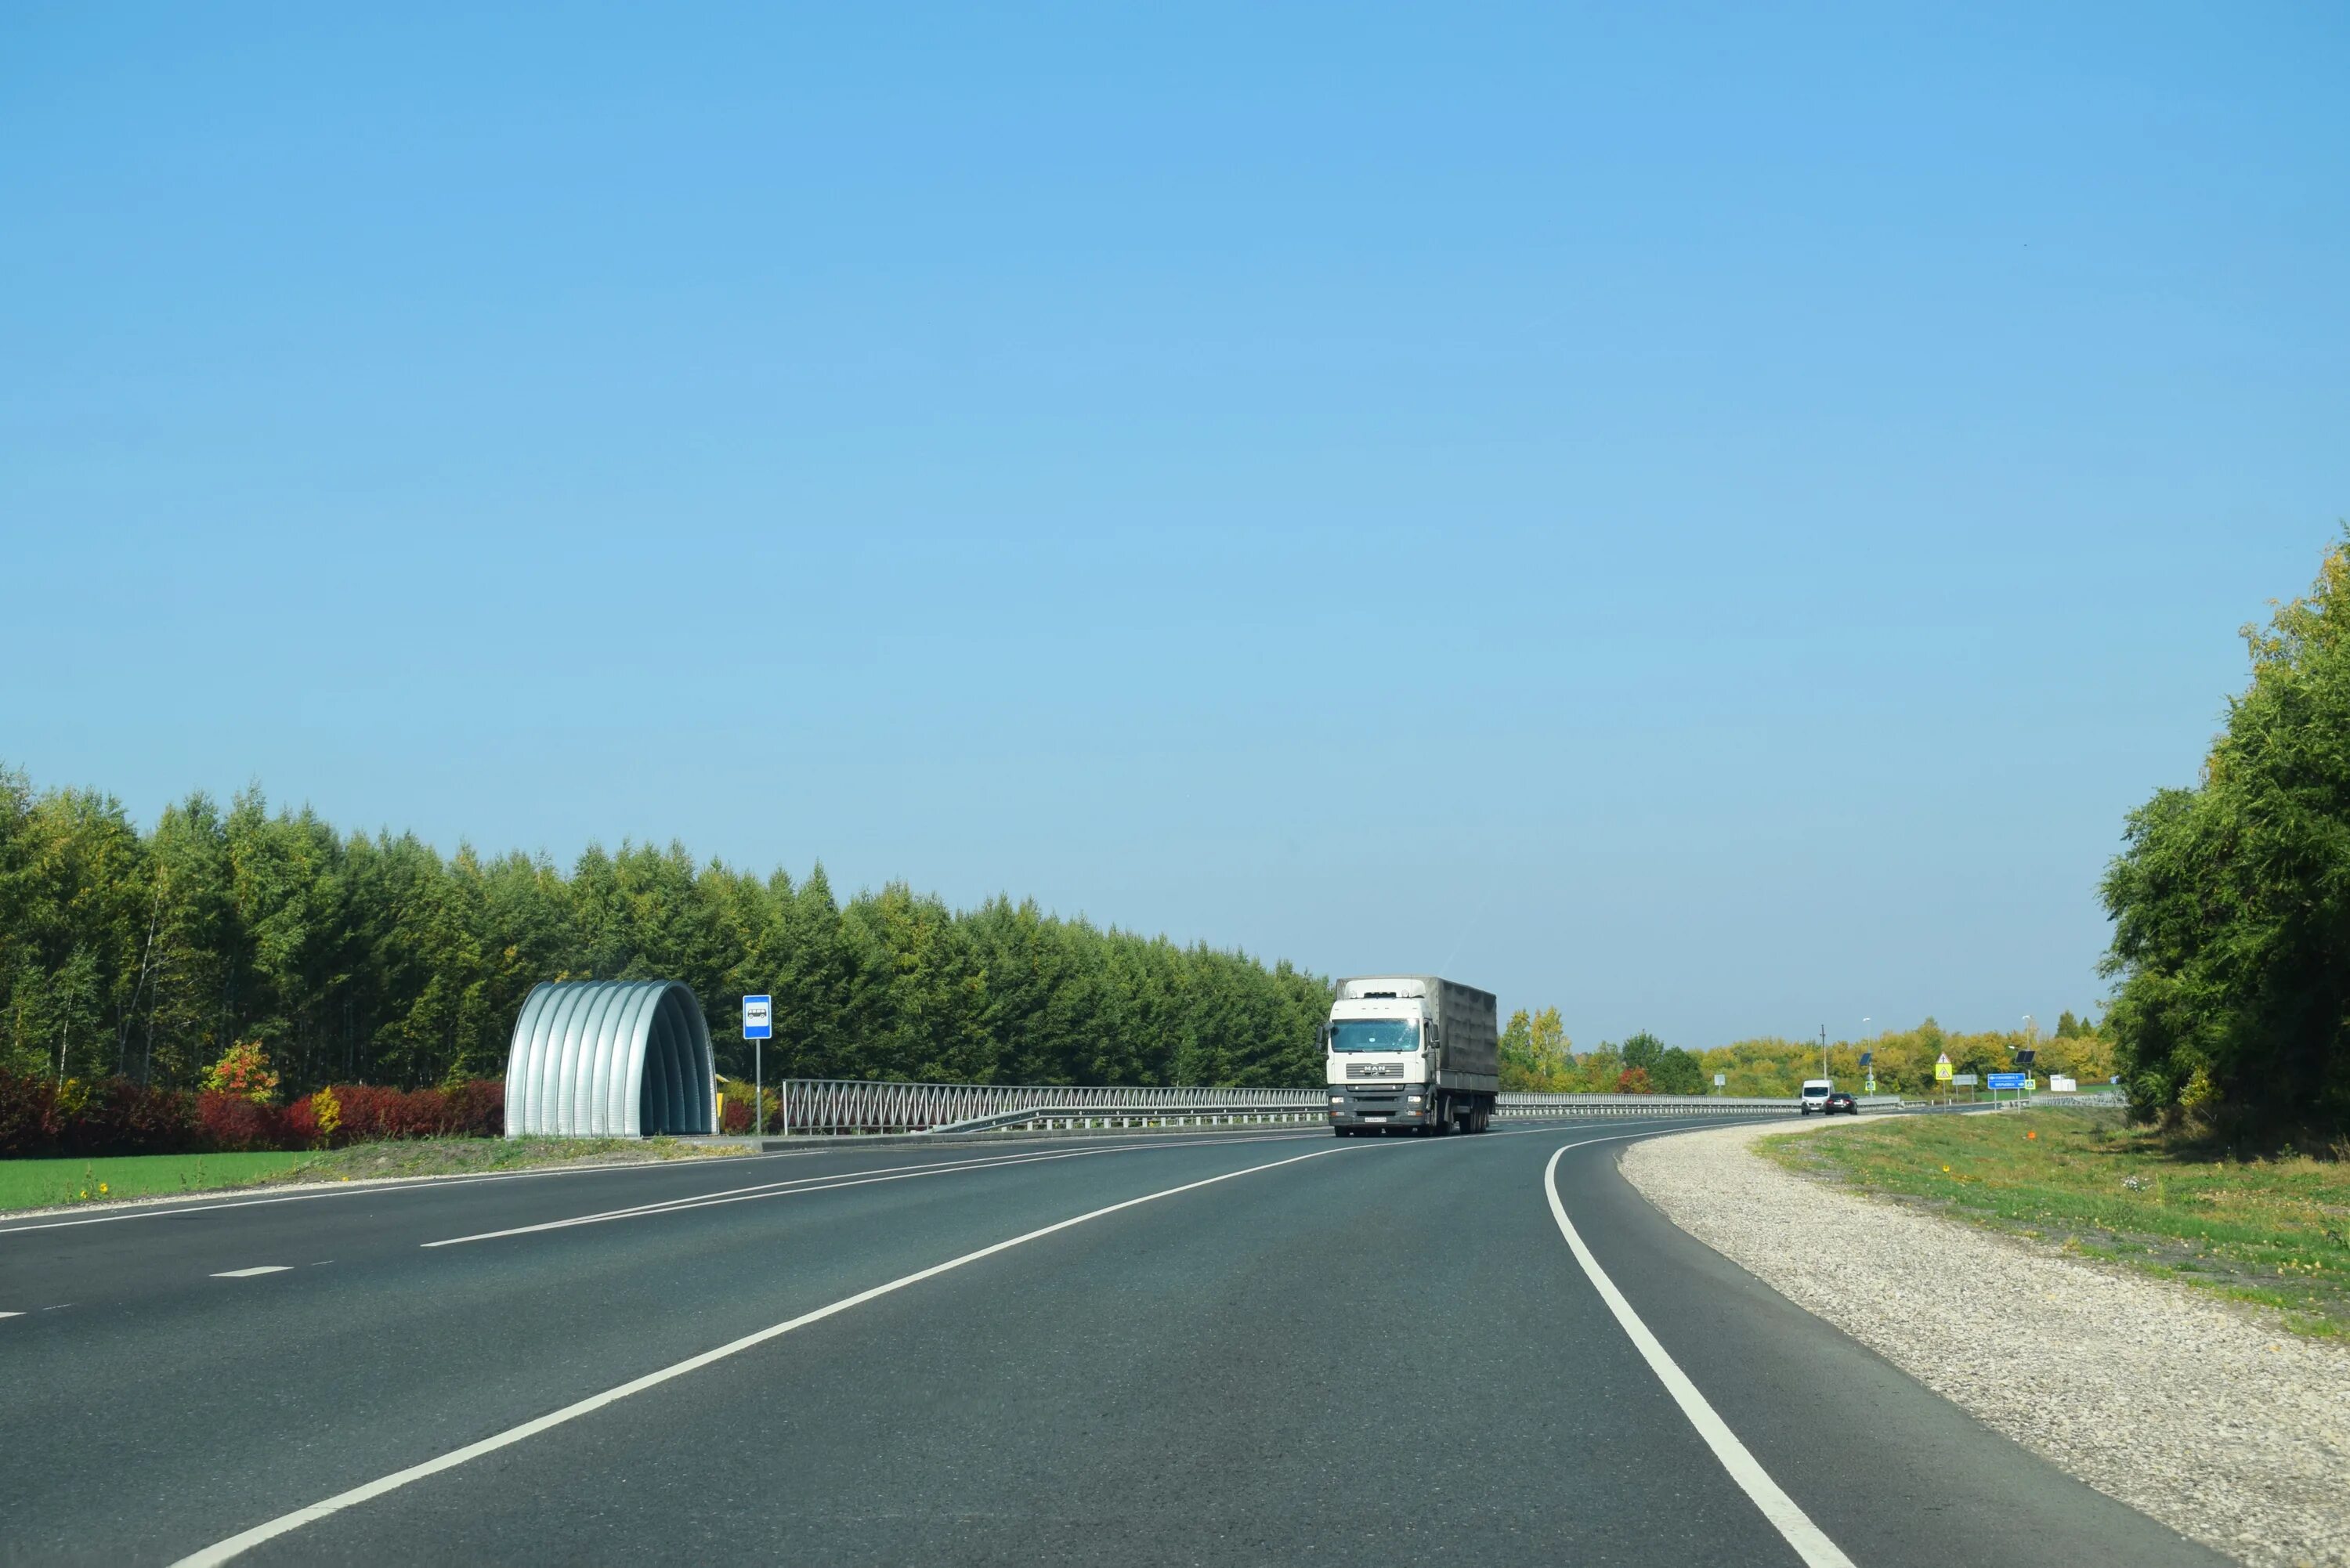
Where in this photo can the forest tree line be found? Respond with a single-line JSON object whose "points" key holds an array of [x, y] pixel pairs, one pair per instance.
{"points": [[375, 959], [1537, 1055]]}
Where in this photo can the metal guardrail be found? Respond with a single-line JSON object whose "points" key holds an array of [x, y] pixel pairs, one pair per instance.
{"points": [[1521, 1106], [855, 1105], [1139, 1115], [835, 1105]]}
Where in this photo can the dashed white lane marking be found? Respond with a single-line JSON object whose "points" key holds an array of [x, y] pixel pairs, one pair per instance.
{"points": [[1809, 1541], [11, 1315], [236, 1545], [248, 1273]]}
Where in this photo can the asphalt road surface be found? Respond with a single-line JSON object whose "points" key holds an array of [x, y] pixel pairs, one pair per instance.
{"points": [[1266, 1348]]}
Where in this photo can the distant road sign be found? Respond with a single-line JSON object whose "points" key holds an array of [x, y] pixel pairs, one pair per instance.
{"points": [[1964, 1080], [1942, 1069], [1719, 1079], [758, 1018], [2007, 1080]]}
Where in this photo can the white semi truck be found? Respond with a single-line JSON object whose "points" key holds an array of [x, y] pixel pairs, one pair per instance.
{"points": [[1412, 1051]]}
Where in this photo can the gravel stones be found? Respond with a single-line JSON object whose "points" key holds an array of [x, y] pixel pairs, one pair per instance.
{"points": [[2202, 1414]]}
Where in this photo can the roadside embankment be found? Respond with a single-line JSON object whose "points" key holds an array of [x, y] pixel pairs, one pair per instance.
{"points": [[2204, 1414]]}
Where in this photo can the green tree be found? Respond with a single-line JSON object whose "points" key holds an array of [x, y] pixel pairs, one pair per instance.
{"points": [[2231, 901], [1535, 1054], [1678, 1072]]}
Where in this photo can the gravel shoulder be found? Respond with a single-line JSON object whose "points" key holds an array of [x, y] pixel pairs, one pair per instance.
{"points": [[2191, 1410]]}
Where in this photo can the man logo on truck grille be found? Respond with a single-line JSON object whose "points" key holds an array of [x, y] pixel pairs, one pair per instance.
{"points": [[1375, 1069]]}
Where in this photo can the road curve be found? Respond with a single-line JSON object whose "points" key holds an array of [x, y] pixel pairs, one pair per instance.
{"points": [[1222, 1348]]}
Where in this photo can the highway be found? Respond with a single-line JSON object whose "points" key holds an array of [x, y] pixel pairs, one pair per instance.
{"points": [[1199, 1349]]}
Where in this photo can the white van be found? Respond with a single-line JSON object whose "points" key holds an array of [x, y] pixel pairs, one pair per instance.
{"points": [[1815, 1094]]}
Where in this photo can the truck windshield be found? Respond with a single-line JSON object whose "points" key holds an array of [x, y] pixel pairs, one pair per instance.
{"points": [[1374, 1034]]}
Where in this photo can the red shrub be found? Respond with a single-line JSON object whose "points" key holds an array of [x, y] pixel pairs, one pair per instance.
{"points": [[120, 1117], [232, 1123], [469, 1110], [297, 1125], [29, 1123], [478, 1109], [737, 1118]]}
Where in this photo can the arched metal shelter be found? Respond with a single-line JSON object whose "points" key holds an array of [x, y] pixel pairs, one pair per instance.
{"points": [[609, 1058]]}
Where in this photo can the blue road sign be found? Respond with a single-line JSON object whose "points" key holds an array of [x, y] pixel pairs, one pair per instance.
{"points": [[758, 1018], [2007, 1080]]}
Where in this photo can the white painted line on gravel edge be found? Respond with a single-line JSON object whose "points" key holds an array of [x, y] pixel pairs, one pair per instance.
{"points": [[236, 1545], [1809, 1541]]}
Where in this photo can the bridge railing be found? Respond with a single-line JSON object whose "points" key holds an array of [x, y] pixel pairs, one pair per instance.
{"points": [[859, 1105]]}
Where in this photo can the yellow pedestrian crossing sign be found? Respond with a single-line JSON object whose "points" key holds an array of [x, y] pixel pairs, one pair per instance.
{"points": [[1943, 1068]]}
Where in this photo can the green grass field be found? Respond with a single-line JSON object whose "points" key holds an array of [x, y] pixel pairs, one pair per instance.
{"points": [[2266, 1231], [45, 1183], [51, 1183]]}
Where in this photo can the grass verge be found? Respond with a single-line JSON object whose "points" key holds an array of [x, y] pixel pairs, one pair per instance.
{"points": [[58, 1183], [51, 1183], [2269, 1231]]}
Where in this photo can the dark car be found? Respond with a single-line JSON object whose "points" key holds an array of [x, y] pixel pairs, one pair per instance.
{"points": [[1840, 1101]]}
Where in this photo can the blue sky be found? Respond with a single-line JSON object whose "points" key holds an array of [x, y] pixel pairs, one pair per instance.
{"points": [[1704, 518]]}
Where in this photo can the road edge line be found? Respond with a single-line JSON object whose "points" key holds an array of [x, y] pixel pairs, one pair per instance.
{"points": [[1787, 1516]]}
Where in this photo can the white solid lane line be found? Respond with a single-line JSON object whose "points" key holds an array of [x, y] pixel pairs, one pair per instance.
{"points": [[838, 1179], [798, 1185], [223, 1550], [744, 1195], [11, 1315], [1809, 1541], [249, 1274], [435, 1183]]}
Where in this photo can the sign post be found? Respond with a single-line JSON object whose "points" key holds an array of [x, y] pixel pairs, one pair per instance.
{"points": [[758, 1027], [1868, 1069]]}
